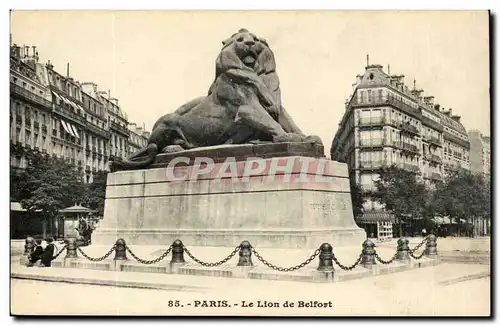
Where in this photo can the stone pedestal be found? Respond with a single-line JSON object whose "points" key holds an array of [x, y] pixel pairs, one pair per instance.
{"points": [[293, 202]]}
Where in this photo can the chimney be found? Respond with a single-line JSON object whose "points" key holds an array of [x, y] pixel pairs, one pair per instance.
{"points": [[67, 70], [49, 65], [429, 100], [114, 100]]}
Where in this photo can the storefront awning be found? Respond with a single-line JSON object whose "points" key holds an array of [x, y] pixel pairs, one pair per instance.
{"points": [[67, 127], [374, 217], [75, 131]]}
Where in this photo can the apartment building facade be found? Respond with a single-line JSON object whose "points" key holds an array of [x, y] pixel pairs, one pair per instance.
{"points": [[480, 152], [54, 114], [386, 123]]}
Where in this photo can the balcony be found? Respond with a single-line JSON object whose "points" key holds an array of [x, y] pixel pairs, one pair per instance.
{"points": [[120, 129], [378, 101], [456, 140], [409, 167], [44, 128], [436, 176], [435, 141], [369, 143], [450, 167], [411, 129], [371, 165], [30, 96], [435, 158], [378, 121], [36, 124], [407, 147], [97, 130], [70, 115], [431, 123]]}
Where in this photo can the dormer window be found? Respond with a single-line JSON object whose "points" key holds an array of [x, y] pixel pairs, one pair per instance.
{"points": [[371, 76]]}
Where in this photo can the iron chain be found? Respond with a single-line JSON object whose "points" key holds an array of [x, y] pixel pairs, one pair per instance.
{"points": [[412, 251], [286, 269], [385, 262], [152, 261], [212, 264], [99, 258], [417, 247], [60, 252], [348, 268], [416, 257]]}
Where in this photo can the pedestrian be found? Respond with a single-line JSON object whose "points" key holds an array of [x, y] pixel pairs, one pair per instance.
{"points": [[48, 253], [36, 255]]}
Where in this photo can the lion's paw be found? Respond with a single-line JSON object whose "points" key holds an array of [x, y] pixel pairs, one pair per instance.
{"points": [[172, 149], [288, 138], [313, 140]]}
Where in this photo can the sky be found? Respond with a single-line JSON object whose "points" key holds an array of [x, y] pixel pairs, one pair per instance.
{"points": [[155, 61]]}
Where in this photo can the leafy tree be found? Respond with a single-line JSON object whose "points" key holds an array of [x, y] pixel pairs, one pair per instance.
{"points": [[48, 185], [96, 192], [402, 194], [465, 195], [357, 199]]}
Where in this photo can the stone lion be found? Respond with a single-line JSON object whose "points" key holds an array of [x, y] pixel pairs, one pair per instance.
{"points": [[243, 105]]}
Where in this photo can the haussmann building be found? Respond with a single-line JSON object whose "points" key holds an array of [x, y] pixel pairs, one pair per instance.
{"points": [[386, 123]]}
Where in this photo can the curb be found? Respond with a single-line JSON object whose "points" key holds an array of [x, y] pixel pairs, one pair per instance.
{"points": [[116, 283], [465, 278]]}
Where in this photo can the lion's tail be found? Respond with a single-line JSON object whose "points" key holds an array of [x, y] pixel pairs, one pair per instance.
{"points": [[140, 159]]}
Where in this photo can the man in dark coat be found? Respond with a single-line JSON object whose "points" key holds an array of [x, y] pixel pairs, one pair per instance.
{"points": [[48, 253], [36, 254]]}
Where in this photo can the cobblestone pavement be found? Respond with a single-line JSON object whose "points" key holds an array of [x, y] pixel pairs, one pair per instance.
{"points": [[447, 289]]}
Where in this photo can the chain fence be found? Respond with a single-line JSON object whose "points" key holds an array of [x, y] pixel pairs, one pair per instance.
{"points": [[348, 268], [60, 252], [238, 248], [152, 261], [286, 269], [412, 251], [106, 255], [385, 262], [231, 255]]}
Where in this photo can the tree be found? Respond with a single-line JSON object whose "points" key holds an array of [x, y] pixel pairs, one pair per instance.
{"points": [[465, 196], [357, 199], [96, 192], [402, 194], [48, 185]]}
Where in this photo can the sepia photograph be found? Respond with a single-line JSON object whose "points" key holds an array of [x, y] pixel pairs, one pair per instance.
{"points": [[189, 163]]}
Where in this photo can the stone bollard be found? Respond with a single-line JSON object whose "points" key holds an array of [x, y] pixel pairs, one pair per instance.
{"points": [[431, 246], [29, 246], [120, 250], [325, 258], [368, 259], [403, 249], [71, 248], [177, 252], [245, 254]]}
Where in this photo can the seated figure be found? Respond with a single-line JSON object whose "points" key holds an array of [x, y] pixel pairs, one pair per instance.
{"points": [[36, 255]]}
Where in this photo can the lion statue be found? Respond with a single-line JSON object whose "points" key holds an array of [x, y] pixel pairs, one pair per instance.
{"points": [[243, 105]]}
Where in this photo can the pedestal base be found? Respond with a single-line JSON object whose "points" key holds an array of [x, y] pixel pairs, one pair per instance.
{"points": [[304, 205]]}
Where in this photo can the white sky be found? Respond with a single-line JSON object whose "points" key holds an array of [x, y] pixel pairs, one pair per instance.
{"points": [[154, 61]]}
